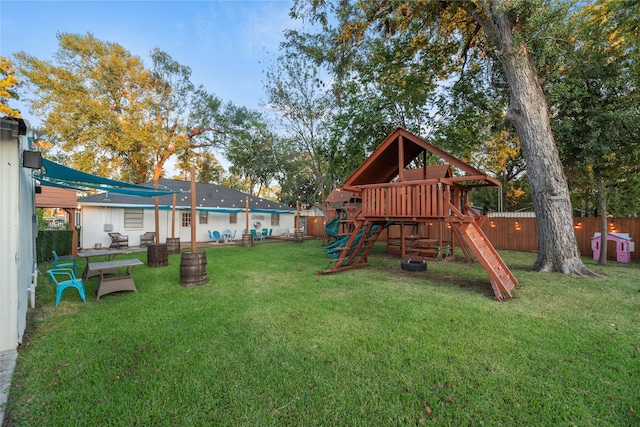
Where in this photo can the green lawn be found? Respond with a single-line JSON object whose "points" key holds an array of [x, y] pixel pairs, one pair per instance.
{"points": [[268, 342]]}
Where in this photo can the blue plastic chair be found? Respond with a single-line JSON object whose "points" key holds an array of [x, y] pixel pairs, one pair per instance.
{"points": [[255, 235], [56, 274], [58, 264], [215, 236]]}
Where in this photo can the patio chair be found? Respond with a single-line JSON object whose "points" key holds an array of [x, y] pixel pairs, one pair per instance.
{"points": [[255, 235], [118, 241], [65, 278], [215, 236], [148, 238], [265, 233], [64, 264]]}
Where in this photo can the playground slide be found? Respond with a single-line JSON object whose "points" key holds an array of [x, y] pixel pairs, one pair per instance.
{"points": [[502, 280], [331, 227]]}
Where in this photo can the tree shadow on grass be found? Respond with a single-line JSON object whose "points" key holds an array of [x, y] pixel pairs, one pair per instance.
{"points": [[479, 286]]}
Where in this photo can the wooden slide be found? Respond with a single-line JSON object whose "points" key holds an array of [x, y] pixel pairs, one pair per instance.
{"points": [[502, 280]]}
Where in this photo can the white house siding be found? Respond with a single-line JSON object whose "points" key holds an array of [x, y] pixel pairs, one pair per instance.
{"points": [[17, 252], [95, 218]]}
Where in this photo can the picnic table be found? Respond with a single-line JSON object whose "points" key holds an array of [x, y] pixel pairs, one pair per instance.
{"points": [[111, 280], [109, 253]]}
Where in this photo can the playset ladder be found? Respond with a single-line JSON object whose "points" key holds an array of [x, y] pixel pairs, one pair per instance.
{"points": [[502, 280], [355, 252]]}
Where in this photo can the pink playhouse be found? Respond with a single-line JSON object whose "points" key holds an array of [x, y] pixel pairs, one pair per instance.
{"points": [[624, 246]]}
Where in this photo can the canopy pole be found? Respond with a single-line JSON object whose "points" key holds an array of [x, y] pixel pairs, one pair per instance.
{"points": [[193, 208], [173, 218], [247, 214], [157, 215]]}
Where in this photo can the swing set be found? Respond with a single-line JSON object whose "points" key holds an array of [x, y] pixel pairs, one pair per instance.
{"points": [[425, 211]]}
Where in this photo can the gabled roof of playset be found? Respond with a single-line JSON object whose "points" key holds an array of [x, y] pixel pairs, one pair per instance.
{"points": [[397, 151]]}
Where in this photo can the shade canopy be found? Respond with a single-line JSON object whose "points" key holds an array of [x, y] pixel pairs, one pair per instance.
{"points": [[56, 175]]}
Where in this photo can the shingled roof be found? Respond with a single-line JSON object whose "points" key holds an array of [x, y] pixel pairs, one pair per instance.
{"points": [[210, 196]]}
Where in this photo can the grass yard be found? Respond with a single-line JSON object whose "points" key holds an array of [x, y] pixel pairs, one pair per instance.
{"points": [[268, 342]]}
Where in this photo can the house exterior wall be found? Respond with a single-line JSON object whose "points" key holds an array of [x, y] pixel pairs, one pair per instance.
{"points": [[17, 252], [95, 218]]}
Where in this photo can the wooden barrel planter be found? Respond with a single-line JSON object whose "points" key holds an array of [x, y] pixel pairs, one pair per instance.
{"points": [[247, 240], [173, 245], [298, 237], [157, 255], [193, 268]]}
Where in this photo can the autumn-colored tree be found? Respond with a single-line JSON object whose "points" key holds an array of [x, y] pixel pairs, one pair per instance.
{"points": [[112, 115], [8, 85]]}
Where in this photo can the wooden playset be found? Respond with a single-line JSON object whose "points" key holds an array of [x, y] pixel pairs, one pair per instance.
{"points": [[425, 210]]}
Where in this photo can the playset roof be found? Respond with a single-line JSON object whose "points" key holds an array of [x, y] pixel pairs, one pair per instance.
{"points": [[397, 151]]}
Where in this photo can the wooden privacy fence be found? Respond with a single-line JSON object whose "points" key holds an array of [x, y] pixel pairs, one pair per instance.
{"points": [[521, 234], [315, 226]]}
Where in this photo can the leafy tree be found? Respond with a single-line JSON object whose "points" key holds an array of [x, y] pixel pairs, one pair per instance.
{"points": [[236, 182], [209, 170], [597, 113], [8, 85], [299, 97], [504, 31], [255, 152], [115, 117]]}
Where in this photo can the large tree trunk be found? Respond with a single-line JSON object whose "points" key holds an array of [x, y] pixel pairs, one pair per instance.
{"points": [[602, 208], [528, 112]]}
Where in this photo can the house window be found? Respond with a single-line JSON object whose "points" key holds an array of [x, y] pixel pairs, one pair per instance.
{"points": [[204, 217], [233, 218], [133, 218], [275, 220], [186, 219]]}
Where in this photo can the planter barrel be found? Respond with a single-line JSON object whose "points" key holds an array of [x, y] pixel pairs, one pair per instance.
{"points": [[157, 255], [173, 245], [298, 237], [193, 268], [247, 240]]}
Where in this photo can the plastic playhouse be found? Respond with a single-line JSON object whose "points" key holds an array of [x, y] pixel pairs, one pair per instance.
{"points": [[624, 246]]}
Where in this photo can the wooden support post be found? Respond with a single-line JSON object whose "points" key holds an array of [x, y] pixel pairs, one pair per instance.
{"points": [[157, 215], [74, 232], [193, 208], [173, 217], [400, 158], [246, 210]]}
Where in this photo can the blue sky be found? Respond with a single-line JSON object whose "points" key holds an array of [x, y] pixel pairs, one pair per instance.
{"points": [[226, 43]]}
